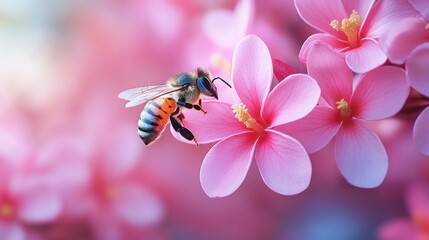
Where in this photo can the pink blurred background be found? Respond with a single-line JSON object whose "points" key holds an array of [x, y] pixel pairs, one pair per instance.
{"points": [[73, 166]]}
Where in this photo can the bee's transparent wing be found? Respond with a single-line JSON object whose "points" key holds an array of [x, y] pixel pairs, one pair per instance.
{"points": [[140, 95]]}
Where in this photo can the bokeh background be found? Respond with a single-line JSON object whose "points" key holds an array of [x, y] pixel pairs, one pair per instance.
{"points": [[73, 167]]}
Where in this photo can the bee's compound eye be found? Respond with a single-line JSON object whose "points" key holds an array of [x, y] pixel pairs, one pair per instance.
{"points": [[205, 86]]}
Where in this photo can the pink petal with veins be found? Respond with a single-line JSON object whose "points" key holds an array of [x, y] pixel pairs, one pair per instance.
{"points": [[291, 99], [315, 130], [380, 94], [226, 164], [319, 14], [283, 163], [252, 72], [320, 38], [360, 155], [331, 73], [366, 57]]}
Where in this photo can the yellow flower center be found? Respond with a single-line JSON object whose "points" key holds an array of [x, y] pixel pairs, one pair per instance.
{"points": [[242, 114], [6, 210], [221, 63], [350, 27], [344, 108]]}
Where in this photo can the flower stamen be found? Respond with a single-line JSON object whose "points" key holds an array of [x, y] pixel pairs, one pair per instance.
{"points": [[242, 114], [344, 108], [350, 27]]}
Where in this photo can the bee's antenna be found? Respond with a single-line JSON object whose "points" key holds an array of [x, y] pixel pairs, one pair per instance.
{"points": [[222, 81]]}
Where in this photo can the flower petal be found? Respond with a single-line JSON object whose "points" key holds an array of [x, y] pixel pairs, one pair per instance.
{"points": [[12, 231], [422, 7], [225, 27], [137, 205], [319, 14], [360, 155], [320, 38], [331, 73], [408, 34], [252, 72], [217, 124], [362, 7], [421, 132], [39, 206], [283, 163], [226, 164], [366, 57], [291, 99], [400, 228], [417, 69], [315, 130], [380, 93]]}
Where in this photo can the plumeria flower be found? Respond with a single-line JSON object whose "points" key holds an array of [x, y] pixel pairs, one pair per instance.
{"points": [[245, 129], [378, 94], [351, 27], [417, 226], [418, 72]]}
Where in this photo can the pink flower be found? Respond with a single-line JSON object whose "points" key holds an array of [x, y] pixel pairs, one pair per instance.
{"points": [[245, 129], [378, 94], [415, 228], [351, 27], [418, 73], [24, 205]]}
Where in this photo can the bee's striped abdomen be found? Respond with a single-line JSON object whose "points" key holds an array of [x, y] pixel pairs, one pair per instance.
{"points": [[154, 117]]}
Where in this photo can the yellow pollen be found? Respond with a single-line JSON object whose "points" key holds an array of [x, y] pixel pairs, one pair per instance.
{"points": [[242, 114], [427, 26], [335, 25], [350, 27], [6, 210], [221, 63], [344, 108]]}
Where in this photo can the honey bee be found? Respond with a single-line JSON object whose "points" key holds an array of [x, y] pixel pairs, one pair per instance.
{"points": [[164, 103]]}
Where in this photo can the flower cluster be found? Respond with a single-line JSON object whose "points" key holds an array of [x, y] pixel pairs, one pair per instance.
{"points": [[326, 96]]}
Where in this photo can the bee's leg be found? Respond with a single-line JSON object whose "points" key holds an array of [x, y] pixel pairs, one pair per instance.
{"points": [[191, 106], [200, 103], [186, 133]]}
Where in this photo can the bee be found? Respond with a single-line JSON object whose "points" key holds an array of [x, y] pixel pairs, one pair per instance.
{"points": [[164, 103]]}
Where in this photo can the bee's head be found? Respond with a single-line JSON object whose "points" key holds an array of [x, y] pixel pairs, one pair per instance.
{"points": [[207, 87]]}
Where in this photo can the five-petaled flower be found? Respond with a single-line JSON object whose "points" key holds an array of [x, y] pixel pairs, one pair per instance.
{"points": [[376, 95], [351, 27], [246, 128]]}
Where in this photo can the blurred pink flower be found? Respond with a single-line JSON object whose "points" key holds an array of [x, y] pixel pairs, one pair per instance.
{"points": [[22, 205], [417, 226], [246, 130], [351, 27], [418, 72], [378, 94]]}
